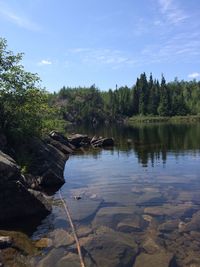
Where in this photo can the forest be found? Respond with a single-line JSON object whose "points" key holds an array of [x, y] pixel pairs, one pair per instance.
{"points": [[147, 97], [26, 109]]}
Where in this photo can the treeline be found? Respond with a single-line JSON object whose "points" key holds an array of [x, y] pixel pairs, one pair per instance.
{"points": [[147, 97]]}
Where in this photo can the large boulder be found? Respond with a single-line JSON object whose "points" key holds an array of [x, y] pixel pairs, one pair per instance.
{"points": [[47, 163], [16, 200]]}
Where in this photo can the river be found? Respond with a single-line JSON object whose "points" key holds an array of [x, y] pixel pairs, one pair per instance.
{"points": [[139, 201]]}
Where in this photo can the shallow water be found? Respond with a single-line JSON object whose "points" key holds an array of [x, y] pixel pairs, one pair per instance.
{"points": [[139, 201]]}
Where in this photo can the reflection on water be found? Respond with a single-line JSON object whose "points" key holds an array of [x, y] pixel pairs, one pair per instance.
{"points": [[140, 202]]}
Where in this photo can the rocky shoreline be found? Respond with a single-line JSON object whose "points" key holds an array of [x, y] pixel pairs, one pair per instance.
{"points": [[26, 195]]}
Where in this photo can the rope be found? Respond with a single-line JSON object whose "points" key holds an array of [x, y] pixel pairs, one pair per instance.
{"points": [[82, 264]]}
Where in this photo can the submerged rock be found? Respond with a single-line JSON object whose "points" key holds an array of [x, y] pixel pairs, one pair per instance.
{"points": [[192, 225], [44, 243], [110, 216], [150, 246], [174, 211], [161, 259], [109, 248], [18, 252], [61, 238]]}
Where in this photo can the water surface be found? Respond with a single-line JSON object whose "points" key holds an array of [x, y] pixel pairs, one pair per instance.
{"points": [[139, 201]]}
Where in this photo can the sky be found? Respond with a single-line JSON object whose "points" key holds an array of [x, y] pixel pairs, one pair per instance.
{"points": [[103, 42]]}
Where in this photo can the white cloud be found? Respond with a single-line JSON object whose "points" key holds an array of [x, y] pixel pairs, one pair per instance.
{"points": [[19, 20], [194, 75], [45, 62], [172, 12]]}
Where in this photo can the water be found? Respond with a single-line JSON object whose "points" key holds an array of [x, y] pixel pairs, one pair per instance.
{"points": [[140, 201]]}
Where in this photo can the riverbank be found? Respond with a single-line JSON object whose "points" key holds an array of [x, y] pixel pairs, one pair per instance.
{"points": [[158, 119]]}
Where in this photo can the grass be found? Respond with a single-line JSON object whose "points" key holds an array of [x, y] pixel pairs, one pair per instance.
{"points": [[159, 119]]}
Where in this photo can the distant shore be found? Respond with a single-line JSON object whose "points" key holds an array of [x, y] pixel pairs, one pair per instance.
{"points": [[158, 119]]}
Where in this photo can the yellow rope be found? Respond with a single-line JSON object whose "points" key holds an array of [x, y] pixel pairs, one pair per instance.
{"points": [[73, 230]]}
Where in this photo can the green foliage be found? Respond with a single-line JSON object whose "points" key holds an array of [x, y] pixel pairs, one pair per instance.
{"points": [[23, 105]]}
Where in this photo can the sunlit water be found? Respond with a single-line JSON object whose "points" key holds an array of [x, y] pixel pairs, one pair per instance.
{"points": [[140, 201]]}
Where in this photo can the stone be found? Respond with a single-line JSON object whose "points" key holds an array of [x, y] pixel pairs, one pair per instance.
{"points": [[19, 242], [59, 138], [175, 211], [135, 224], [79, 140], [193, 224], [5, 241], [16, 200], [111, 216], [9, 170], [48, 163], [65, 148], [110, 248], [61, 238], [103, 142], [52, 258], [44, 243], [147, 218], [169, 226], [161, 259], [84, 208], [150, 246], [70, 260]]}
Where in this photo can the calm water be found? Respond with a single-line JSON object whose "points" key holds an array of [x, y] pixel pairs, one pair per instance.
{"points": [[140, 201]]}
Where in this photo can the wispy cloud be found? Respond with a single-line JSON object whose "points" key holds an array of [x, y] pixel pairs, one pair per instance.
{"points": [[194, 75], [172, 12], [103, 56], [45, 62], [182, 47], [21, 21]]}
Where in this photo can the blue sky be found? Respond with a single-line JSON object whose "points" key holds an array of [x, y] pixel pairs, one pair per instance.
{"points": [[107, 42]]}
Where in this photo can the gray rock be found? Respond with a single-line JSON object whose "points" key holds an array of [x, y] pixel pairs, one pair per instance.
{"points": [[65, 148], [79, 140], [15, 198], [52, 258], [102, 142], [161, 259], [48, 163]]}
